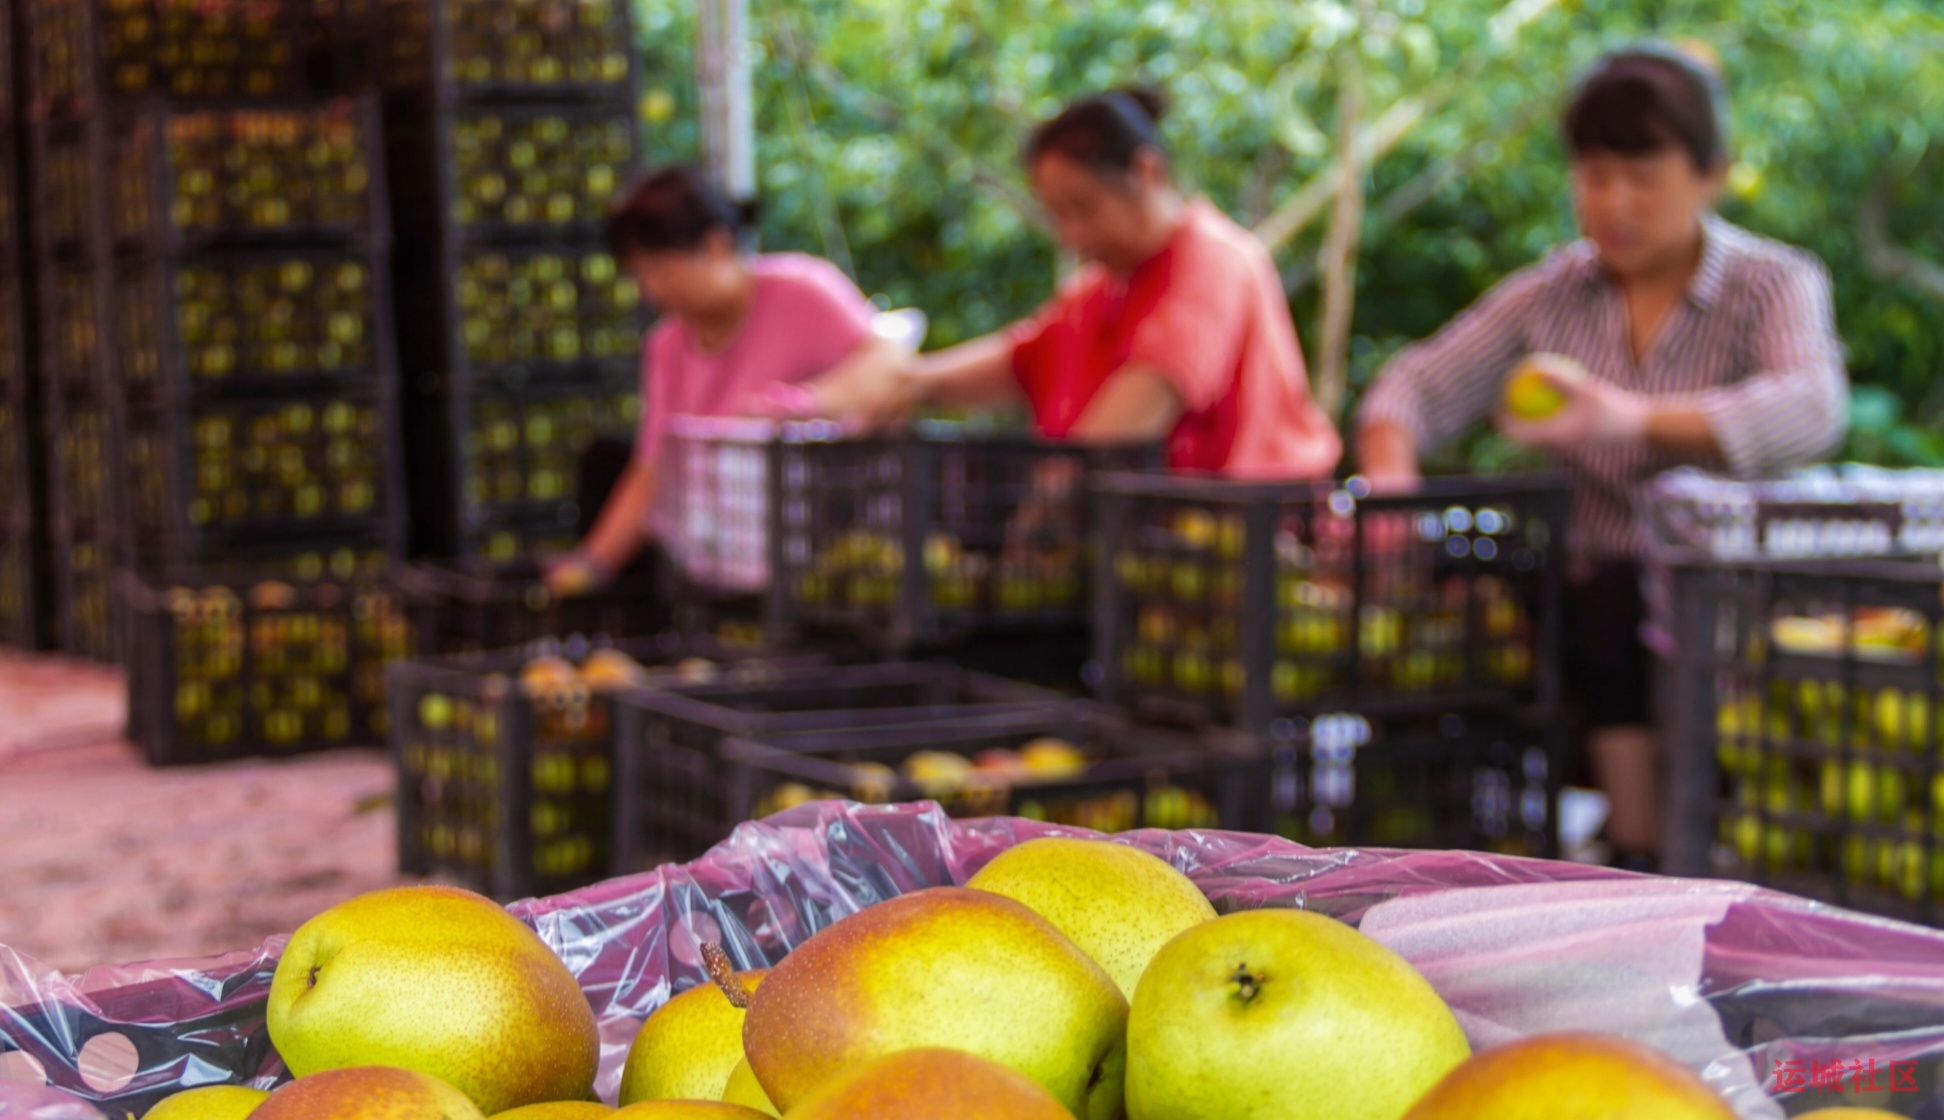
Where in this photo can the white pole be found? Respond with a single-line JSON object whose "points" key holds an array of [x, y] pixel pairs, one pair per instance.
{"points": [[722, 78]]}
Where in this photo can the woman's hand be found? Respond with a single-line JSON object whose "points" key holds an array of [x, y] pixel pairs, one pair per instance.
{"points": [[575, 574], [1595, 412]]}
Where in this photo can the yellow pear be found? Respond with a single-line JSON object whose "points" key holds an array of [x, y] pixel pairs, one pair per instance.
{"points": [[1284, 1015], [952, 967], [559, 1110], [367, 1093], [211, 1102], [745, 1090], [686, 1048], [932, 1083], [438, 980], [1119, 904], [686, 1110], [1849, 1114], [1584, 1075]]}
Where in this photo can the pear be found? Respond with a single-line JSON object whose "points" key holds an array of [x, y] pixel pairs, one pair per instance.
{"points": [[559, 1110], [686, 1110], [1572, 1074], [1284, 1015], [745, 1090], [438, 980], [211, 1102], [948, 966], [934, 1083], [1118, 904], [1849, 1114], [686, 1049], [367, 1093]]}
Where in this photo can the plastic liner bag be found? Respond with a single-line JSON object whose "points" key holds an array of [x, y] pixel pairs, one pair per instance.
{"points": [[1748, 987]]}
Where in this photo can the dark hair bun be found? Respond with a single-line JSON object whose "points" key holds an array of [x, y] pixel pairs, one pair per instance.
{"points": [[1152, 101]]}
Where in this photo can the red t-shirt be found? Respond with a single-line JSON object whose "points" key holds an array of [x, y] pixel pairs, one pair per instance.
{"points": [[1208, 312]]}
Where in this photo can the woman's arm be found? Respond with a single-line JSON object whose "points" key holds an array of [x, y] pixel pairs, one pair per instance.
{"points": [[617, 536], [971, 374], [1137, 403]]}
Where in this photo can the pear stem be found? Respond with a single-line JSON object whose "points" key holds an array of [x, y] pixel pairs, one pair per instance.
{"points": [[723, 971], [1247, 984]]}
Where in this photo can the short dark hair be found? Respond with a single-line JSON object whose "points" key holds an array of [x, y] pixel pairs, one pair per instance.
{"points": [[673, 208], [1646, 99], [1102, 133]]}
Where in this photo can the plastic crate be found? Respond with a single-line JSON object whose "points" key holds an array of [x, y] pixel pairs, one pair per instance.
{"points": [[674, 778], [1002, 523], [213, 476], [472, 608], [294, 321], [16, 461], [1482, 780], [72, 305], [498, 50], [1848, 510], [493, 467], [298, 171], [84, 468], [498, 174], [13, 338], [1245, 603], [1803, 719], [80, 54], [1112, 776], [227, 667], [86, 622], [19, 603], [509, 788]]}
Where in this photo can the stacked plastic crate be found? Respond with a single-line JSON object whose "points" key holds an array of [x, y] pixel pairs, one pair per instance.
{"points": [[18, 599], [510, 125], [211, 263]]}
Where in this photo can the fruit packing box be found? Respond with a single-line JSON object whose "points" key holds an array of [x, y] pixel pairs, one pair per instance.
{"points": [[1484, 780], [998, 523], [1804, 722], [1083, 765], [506, 760], [225, 664], [1247, 604], [19, 601], [500, 51], [1842, 511], [1729, 979], [475, 607], [87, 625], [673, 776]]}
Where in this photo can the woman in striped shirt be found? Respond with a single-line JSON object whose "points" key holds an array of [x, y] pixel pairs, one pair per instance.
{"points": [[1673, 338]]}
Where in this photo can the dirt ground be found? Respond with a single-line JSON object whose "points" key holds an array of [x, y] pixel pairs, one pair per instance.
{"points": [[105, 861]]}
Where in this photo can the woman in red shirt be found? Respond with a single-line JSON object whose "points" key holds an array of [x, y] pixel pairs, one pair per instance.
{"points": [[1177, 327]]}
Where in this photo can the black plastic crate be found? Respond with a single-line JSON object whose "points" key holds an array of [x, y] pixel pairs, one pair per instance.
{"points": [[1084, 766], [71, 303], [83, 471], [1481, 780], [506, 760], [1244, 603], [1001, 523], [19, 602], [83, 54], [498, 50], [494, 468], [296, 171], [1803, 718], [475, 608], [16, 461], [282, 322], [212, 476], [86, 623], [498, 174], [674, 778], [224, 667]]}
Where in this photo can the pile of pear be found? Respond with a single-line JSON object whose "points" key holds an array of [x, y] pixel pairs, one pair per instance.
{"points": [[1068, 979]]}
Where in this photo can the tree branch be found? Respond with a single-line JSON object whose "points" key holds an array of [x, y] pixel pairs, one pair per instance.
{"points": [[1303, 207], [1339, 256], [1884, 258]]}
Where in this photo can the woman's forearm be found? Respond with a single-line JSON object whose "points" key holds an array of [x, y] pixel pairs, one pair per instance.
{"points": [[971, 374], [620, 531]]}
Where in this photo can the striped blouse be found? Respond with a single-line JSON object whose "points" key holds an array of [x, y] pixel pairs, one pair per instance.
{"points": [[1753, 346]]}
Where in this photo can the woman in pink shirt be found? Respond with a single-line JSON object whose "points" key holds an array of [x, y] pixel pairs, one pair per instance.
{"points": [[735, 327]]}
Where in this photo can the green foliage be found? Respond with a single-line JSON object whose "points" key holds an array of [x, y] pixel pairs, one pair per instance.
{"points": [[888, 131]]}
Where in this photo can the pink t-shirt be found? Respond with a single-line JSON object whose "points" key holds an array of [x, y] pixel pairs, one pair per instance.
{"points": [[806, 317]]}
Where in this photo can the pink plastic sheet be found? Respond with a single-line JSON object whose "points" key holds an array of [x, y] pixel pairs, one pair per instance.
{"points": [[1730, 979]]}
